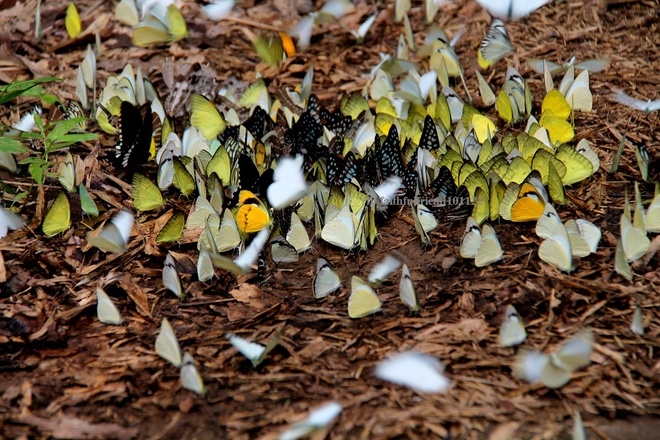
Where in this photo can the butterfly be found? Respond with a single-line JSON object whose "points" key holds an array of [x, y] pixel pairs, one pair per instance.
{"points": [[72, 21], [58, 217], [383, 269], [486, 92], [205, 116], [135, 133], [160, 25], [647, 106], [634, 241], [621, 265], [407, 291], [326, 280], [243, 263], [256, 353], [482, 245], [511, 9], [512, 330], [555, 370], [205, 270], [106, 310], [576, 90], [171, 278], [145, 194], [115, 235], [190, 378], [363, 301], [495, 46], [289, 184], [9, 221], [218, 9], [340, 229], [251, 214], [167, 345], [418, 371], [317, 419], [172, 230], [87, 204]]}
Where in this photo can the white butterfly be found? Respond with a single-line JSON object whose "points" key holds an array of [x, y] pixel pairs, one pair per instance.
{"points": [[218, 9], [326, 280], [340, 229], [9, 221], [383, 269], [190, 378], [512, 330], [578, 427], [317, 419], [27, 123], [511, 9], [289, 183], [114, 236], [106, 310], [647, 106], [634, 240], [556, 250], [167, 345], [256, 353], [407, 291], [637, 325], [555, 370], [482, 245], [171, 277], [418, 371], [243, 264]]}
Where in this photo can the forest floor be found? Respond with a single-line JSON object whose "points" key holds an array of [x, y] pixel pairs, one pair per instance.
{"points": [[66, 375]]}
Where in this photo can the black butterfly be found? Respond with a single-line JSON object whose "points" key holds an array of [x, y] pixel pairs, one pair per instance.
{"points": [[389, 157], [135, 129], [341, 171], [429, 139], [447, 201]]}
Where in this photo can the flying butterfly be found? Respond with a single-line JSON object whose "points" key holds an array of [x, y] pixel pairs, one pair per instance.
{"points": [[317, 419], [256, 353], [495, 46], [160, 26], [555, 370], [418, 371], [115, 235]]}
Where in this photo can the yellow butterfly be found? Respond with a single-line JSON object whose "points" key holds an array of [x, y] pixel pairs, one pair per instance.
{"points": [[206, 117], [72, 21], [158, 27], [58, 218], [251, 215], [146, 195], [363, 300]]}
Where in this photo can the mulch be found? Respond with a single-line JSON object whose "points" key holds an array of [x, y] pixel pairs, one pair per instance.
{"points": [[66, 375]]}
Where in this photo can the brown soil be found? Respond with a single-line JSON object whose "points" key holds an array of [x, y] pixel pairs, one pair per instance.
{"points": [[66, 375]]}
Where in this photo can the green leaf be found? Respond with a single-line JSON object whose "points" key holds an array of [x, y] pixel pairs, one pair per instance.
{"points": [[69, 139], [11, 91], [63, 127], [37, 166], [9, 145]]}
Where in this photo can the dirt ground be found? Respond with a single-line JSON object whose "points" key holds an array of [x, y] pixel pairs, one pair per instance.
{"points": [[66, 375]]}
